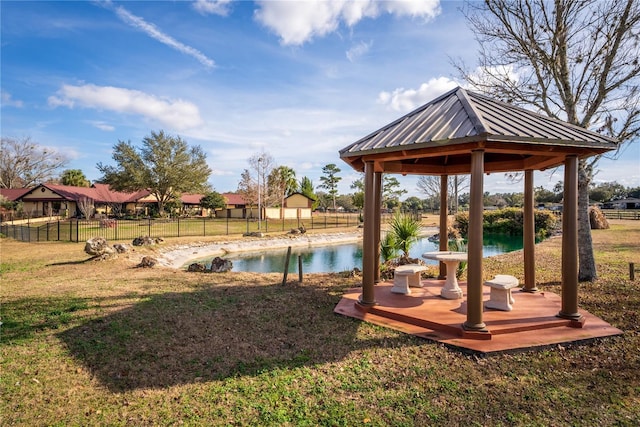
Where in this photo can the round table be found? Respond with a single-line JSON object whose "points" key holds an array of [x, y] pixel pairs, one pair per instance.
{"points": [[450, 290]]}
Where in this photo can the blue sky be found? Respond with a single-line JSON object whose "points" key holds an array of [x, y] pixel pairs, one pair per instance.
{"points": [[297, 79]]}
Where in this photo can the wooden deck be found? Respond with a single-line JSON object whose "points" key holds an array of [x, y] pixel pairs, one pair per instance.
{"points": [[531, 323]]}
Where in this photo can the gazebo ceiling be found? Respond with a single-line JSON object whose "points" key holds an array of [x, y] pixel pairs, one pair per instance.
{"points": [[438, 138]]}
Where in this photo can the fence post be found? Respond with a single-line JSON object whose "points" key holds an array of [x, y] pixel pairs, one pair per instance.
{"points": [[300, 268], [77, 231], [632, 271], [286, 266]]}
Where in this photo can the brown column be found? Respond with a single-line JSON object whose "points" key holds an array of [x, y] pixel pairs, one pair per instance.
{"points": [[569, 303], [368, 238], [444, 232], [529, 237], [377, 190], [474, 246]]}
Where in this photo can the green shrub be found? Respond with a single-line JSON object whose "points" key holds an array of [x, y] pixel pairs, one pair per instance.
{"points": [[509, 221], [462, 223]]}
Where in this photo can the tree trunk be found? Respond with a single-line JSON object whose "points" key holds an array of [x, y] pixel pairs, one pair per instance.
{"points": [[586, 260]]}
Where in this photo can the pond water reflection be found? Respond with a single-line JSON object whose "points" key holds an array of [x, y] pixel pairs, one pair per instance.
{"points": [[344, 257]]}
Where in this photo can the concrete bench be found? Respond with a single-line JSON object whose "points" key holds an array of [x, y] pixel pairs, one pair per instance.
{"points": [[500, 297], [405, 276]]}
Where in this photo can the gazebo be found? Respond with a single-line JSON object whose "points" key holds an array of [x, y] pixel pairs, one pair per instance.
{"points": [[462, 132]]}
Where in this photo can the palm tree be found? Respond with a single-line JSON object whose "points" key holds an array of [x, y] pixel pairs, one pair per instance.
{"points": [[388, 248], [405, 231], [282, 181]]}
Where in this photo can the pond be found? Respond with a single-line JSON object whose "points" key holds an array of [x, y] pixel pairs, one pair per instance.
{"points": [[344, 257]]}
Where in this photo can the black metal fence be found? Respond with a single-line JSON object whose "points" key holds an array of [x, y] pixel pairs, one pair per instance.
{"points": [[75, 230], [78, 230]]}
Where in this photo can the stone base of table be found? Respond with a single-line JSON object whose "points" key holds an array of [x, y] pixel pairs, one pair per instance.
{"points": [[451, 293], [450, 290]]}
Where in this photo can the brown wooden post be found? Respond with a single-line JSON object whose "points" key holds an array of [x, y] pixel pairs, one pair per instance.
{"points": [[569, 303], [377, 191], [444, 231], [529, 237], [368, 239], [474, 261]]}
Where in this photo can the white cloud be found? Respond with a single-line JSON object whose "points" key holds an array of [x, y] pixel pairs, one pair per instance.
{"points": [[213, 7], [102, 126], [296, 22], [155, 33], [358, 50], [405, 100], [177, 114], [8, 101], [495, 75]]}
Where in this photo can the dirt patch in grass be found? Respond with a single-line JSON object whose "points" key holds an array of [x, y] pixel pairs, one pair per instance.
{"points": [[105, 343]]}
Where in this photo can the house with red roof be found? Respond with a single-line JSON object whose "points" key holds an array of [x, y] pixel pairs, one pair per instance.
{"points": [[47, 200]]}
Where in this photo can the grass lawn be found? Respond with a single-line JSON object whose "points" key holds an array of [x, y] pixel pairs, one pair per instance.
{"points": [[105, 343]]}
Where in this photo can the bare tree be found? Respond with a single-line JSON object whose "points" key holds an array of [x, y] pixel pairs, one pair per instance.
{"points": [[248, 188], [263, 163], [24, 163], [85, 206], [430, 186], [253, 181], [575, 60]]}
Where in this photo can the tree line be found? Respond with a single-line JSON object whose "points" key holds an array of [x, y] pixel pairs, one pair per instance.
{"points": [[167, 166]]}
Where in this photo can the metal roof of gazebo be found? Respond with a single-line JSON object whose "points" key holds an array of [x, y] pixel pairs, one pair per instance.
{"points": [[462, 132], [437, 138]]}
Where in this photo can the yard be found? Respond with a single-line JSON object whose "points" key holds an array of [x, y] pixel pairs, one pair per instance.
{"points": [[105, 343]]}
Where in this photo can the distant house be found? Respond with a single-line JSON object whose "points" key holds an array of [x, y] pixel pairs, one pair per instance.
{"points": [[237, 206], [296, 205], [630, 203], [298, 200], [47, 200], [191, 205]]}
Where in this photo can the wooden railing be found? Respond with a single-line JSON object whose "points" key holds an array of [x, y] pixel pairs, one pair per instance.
{"points": [[621, 213]]}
